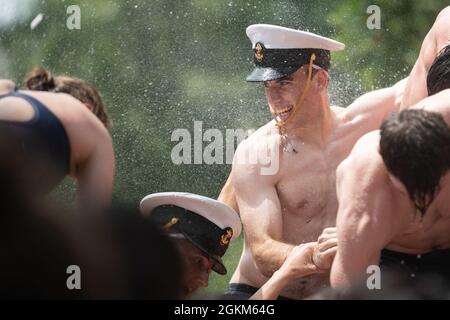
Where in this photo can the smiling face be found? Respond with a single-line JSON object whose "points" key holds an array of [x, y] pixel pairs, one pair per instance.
{"points": [[283, 94], [197, 267]]}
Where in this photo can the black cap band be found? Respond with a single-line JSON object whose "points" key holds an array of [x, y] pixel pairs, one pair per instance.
{"points": [[272, 64], [202, 232], [282, 58]]}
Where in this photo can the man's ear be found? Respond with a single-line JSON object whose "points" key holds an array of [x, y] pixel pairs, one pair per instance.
{"points": [[89, 106], [322, 78]]}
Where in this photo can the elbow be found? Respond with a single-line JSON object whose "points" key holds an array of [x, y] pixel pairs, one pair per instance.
{"points": [[262, 259]]}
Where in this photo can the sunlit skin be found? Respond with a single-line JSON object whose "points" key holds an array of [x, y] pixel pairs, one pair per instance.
{"points": [[376, 212], [437, 38], [197, 267], [92, 156], [294, 205], [416, 236]]}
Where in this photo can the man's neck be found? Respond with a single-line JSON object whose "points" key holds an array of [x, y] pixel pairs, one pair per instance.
{"points": [[313, 122]]}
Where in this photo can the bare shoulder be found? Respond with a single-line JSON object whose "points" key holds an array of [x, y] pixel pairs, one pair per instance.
{"points": [[72, 113], [444, 13], [85, 130], [440, 103], [246, 164], [260, 138], [364, 159], [337, 110], [6, 86]]}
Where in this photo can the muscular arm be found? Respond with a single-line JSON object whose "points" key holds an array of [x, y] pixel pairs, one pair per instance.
{"points": [[304, 260], [372, 108], [364, 222], [437, 38], [228, 196], [260, 213]]}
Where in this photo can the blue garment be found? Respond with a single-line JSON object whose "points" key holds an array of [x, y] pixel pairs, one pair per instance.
{"points": [[44, 145]]}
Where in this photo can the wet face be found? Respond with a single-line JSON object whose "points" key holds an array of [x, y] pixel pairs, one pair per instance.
{"points": [[197, 267], [283, 94]]}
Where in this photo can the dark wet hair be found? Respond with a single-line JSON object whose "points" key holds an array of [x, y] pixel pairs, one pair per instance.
{"points": [[415, 147], [438, 78], [40, 79]]}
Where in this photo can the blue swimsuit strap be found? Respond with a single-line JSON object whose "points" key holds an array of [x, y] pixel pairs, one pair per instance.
{"points": [[48, 126]]}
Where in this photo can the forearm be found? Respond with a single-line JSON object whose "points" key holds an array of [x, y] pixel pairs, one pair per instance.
{"points": [[273, 287], [338, 277], [270, 256]]}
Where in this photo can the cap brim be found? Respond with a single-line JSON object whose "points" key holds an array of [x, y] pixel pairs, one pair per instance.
{"points": [[260, 74], [218, 266]]}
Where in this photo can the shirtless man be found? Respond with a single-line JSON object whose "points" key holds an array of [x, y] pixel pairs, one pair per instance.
{"points": [[294, 205], [393, 192]]}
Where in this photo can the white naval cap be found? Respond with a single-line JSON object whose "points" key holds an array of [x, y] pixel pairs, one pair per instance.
{"points": [[280, 51], [276, 37], [209, 224], [217, 212]]}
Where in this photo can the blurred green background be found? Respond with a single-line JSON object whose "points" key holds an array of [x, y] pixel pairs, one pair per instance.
{"points": [[163, 64]]}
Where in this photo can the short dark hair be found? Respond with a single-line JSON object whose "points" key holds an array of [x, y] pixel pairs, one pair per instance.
{"points": [[415, 147], [438, 78]]}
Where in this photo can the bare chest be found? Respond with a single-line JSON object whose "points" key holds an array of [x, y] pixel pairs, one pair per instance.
{"points": [[307, 191]]}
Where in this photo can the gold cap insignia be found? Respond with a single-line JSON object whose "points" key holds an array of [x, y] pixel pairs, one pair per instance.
{"points": [[225, 238], [258, 52], [171, 223]]}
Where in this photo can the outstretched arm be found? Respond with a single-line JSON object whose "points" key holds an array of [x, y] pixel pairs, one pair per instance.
{"points": [[365, 222], [373, 107], [437, 38]]}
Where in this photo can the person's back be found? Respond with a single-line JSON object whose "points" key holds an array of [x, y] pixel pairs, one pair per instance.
{"points": [[393, 192], [60, 134]]}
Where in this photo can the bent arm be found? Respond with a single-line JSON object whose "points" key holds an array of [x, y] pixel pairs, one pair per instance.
{"points": [[228, 196], [364, 221], [95, 178], [261, 215], [436, 39], [301, 263]]}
